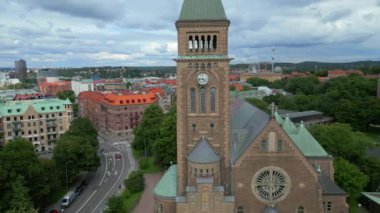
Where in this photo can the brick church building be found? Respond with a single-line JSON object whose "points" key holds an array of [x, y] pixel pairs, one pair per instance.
{"points": [[231, 156]]}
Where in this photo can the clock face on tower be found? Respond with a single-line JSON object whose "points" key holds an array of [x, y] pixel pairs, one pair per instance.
{"points": [[202, 79]]}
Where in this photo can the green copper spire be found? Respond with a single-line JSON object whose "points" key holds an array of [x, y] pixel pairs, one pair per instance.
{"points": [[196, 10]]}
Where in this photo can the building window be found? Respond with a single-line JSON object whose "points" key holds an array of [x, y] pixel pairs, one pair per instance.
{"points": [[192, 100], [160, 208], [240, 209], [194, 126], [203, 100], [328, 207], [213, 99], [280, 146], [263, 146], [301, 209], [212, 126]]}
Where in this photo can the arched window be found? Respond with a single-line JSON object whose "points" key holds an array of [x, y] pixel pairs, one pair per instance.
{"points": [[209, 44], [191, 46], [160, 208], [214, 41], [203, 66], [280, 146], [240, 209], [203, 100], [192, 100], [213, 100], [196, 43], [202, 43], [263, 146], [301, 209]]}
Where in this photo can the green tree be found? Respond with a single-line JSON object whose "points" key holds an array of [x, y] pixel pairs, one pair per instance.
{"points": [[371, 167], [349, 177], [68, 94], [256, 82], [135, 182], [18, 159], [341, 141], [165, 150], [83, 127], [259, 104], [302, 85], [76, 153], [148, 132], [19, 200], [115, 204]]}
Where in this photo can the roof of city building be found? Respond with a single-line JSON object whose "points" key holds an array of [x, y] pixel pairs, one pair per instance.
{"points": [[15, 108], [119, 99], [202, 10]]}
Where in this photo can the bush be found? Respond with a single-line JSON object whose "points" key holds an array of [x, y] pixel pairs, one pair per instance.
{"points": [[135, 182]]}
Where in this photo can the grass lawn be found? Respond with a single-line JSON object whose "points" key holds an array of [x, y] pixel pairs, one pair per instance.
{"points": [[147, 164], [131, 201]]}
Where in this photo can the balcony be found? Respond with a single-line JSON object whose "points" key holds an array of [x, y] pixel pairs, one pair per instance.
{"points": [[51, 124]]}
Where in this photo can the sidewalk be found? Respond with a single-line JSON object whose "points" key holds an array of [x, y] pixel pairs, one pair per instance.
{"points": [[146, 203]]}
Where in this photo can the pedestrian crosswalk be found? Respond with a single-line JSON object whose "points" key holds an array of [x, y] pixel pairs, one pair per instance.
{"points": [[107, 154]]}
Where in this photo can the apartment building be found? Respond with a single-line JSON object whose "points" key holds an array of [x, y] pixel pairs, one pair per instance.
{"points": [[114, 115], [40, 121]]}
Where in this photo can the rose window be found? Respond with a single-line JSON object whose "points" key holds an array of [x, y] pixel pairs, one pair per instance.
{"points": [[270, 184]]}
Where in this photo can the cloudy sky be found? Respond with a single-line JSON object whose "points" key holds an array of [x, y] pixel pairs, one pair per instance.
{"points": [[76, 33]]}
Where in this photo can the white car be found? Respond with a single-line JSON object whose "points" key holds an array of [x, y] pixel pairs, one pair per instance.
{"points": [[116, 144]]}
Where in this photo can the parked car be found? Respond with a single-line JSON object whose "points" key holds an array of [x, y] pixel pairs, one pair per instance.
{"points": [[68, 199], [55, 210], [80, 188]]}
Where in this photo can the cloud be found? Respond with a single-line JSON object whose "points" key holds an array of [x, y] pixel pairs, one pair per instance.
{"points": [[129, 32]]}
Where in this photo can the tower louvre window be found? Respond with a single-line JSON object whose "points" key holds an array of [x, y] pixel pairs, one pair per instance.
{"points": [[203, 101], [191, 43], [196, 43], [209, 44], [192, 100], [214, 42], [213, 100]]}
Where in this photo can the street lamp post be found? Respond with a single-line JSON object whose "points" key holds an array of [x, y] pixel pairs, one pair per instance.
{"points": [[67, 182]]}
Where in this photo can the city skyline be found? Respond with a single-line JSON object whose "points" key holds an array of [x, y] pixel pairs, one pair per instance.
{"points": [[141, 33]]}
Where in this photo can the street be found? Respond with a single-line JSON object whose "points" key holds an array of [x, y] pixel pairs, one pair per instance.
{"points": [[107, 180]]}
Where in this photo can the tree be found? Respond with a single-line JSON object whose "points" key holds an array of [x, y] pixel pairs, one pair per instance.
{"points": [[18, 160], [135, 182], [256, 82], [165, 150], [83, 127], [371, 167], [302, 85], [349, 177], [259, 104], [148, 132], [75, 153], [341, 141], [67, 94], [20, 200]]}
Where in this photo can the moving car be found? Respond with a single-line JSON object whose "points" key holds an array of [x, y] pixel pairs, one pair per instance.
{"points": [[117, 156]]}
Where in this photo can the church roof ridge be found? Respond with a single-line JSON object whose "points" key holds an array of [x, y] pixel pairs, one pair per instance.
{"points": [[197, 10], [203, 153]]}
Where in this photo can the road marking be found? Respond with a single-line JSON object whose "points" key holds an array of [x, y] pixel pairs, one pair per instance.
{"points": [[113, 186], [115, 172], [87, 201], [105, 172]]}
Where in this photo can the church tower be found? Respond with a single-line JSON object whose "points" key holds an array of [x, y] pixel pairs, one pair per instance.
{"points": [[203, 149]]}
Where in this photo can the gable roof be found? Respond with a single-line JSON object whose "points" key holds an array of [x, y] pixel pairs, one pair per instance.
{"points": [[203, 153], [195, 10], [167, 186], [246, 122], [302, 138]]}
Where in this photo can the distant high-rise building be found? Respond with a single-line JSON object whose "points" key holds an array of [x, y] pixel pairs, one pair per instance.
{"points": [[20, 67]]}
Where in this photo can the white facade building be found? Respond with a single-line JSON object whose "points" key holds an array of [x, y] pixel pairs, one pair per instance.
{"points": [[79, 86]]}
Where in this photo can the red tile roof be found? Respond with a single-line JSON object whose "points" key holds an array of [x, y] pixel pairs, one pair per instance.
{"points": [[119, 99]]}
